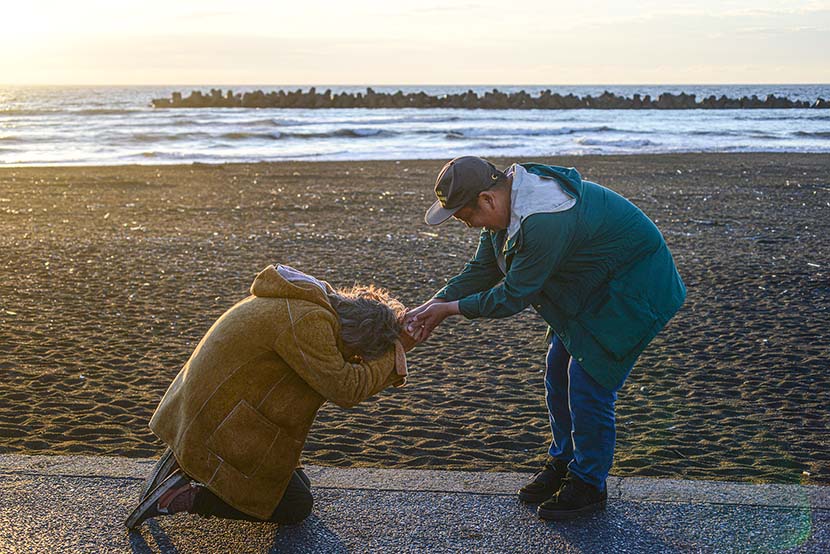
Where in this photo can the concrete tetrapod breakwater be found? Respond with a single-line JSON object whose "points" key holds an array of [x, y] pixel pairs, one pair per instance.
{"points": [[492, 100]]}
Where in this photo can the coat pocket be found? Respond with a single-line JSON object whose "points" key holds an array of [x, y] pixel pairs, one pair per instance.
{"points": [[619, 321], [244, 439]]}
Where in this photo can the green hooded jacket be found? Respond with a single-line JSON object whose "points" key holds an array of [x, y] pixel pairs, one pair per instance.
{"points": [[600, 274]]}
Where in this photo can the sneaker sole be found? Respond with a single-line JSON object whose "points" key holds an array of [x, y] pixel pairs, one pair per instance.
{"points": [[534, 498], [559, 515], [138, 516], [161, 471]]}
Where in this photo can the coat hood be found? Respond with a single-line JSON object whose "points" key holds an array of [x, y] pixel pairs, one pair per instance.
{"points": [[270, 284]]}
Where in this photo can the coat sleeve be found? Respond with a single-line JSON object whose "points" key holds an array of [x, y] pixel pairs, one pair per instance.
{"points": [[546, 240], [309, 346], [480, 273]]}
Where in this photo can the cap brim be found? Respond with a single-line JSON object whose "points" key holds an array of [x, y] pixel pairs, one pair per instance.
{"points": [[437, 214]]}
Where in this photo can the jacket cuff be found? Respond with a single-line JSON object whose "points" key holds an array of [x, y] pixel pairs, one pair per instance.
{"points": [[468, 306]]}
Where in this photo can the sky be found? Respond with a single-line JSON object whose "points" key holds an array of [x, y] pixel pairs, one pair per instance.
{"points": [[390, 42]]}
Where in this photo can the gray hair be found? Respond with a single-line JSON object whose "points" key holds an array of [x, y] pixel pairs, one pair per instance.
{"points": [[370, 319]]}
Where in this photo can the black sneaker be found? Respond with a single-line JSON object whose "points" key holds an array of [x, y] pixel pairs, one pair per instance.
{"points": [[576, 498], [545, 483]]}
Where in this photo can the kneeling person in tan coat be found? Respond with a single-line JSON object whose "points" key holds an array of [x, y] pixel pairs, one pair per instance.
{"points": [[236, 417]]}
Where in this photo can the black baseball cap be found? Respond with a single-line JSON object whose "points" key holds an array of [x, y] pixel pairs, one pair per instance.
{"points": [[459, 182]]}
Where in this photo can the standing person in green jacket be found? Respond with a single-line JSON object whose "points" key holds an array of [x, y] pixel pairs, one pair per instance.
{"points": [[596, 269]]}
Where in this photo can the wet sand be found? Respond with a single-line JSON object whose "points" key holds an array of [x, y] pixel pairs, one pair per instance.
{"points": [[110, 275]]}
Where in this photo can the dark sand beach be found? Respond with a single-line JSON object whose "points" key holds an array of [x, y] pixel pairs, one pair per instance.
{"points": [[109, 276]]}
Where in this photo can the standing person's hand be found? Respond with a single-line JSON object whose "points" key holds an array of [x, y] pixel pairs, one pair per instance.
{"points": [[425, 318], [410, 314]]}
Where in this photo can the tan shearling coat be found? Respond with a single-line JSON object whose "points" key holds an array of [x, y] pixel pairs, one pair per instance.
{"points": [[237, 414]]}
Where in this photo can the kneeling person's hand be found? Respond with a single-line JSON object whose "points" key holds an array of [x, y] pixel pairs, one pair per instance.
{"points": [[407, 341]]}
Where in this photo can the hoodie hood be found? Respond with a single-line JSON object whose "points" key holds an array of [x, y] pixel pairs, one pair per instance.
{"points": [[568, 177], [270, 284], [533, 194]]}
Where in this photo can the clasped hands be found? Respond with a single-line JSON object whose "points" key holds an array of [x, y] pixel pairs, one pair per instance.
{"points": [[421, 321]]}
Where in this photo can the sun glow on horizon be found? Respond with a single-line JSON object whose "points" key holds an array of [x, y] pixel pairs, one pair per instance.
{"points": [[434, 42]]}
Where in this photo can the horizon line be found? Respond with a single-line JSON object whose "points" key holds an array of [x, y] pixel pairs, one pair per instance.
{"points": [[408, 85]]}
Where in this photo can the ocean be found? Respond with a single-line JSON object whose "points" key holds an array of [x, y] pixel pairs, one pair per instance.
{"points": [[117, 125]]}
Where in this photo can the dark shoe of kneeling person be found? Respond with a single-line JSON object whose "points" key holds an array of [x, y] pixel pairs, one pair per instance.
{"points": [[300, 471], [174, 495], [544, 483], [575, 498], [163, 469]]}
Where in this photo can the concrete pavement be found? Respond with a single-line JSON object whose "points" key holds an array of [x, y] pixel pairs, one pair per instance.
{"points": [[78, 504]]}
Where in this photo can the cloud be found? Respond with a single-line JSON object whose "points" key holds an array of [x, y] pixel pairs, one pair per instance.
{"points": [[448, 8], [207, 15], [780, 30]]}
